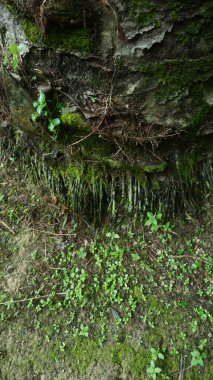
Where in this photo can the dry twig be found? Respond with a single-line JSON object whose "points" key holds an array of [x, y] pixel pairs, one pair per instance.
{"points": [[7, 227]]}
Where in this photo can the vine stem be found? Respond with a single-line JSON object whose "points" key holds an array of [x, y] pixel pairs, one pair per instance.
{"points": [[33, 298]]}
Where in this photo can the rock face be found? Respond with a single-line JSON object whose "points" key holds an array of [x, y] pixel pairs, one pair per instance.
{"points": [[135, 80], [51, 9]]}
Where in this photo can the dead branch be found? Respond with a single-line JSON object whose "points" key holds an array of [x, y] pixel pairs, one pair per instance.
{"points": [[7, 227]]}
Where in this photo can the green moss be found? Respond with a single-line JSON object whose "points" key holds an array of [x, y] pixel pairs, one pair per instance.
{"points": [[71, 40], [75, 171], [146, 12], [73, 120], [153, 303], [198, 118], [140, 176], [114, 164], [121, 352], [186, 166], [176, 7], [177, 75], [68, 39], [140, 363], [83, 354], [196, 33], [189, 35], [143, 12], [138, 293], [94, 174], [136, 363], [32, 31], [155, 168], [155, 184]]}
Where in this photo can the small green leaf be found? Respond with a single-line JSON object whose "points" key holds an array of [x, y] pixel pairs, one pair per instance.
{"points": [[53, 123], [14, 49], [40, 108], [196, 358], [42, 98], [108, 234], [34, 116], [116, 236], [161, 356]]}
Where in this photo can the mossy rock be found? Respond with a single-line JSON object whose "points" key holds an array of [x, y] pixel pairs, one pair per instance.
{"points": [[73, 40], [177, 75]]}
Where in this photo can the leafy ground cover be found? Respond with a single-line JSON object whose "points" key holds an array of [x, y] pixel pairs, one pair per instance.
{"points": [[117, 302]]}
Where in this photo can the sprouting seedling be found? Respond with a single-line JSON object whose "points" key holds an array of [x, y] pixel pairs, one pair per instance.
{"points": [[197, 358], [52, 126], [152, 220], [40, 106], [153, 370]]}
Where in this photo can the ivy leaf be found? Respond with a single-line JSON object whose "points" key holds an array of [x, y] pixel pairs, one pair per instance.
{"points": [[42, 98], [53, 123], [34, 116], [40, 108], [196, 358], [161, 356], [108, 234]]}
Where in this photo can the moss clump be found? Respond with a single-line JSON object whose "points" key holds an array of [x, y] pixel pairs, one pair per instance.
{"points": [[75, 171], [32, 31], [140, 363], [68, 39], [155, 168], [121, 352], [138, 294], [83, 354], [73, 120], [155, 184], [114, 164], [177, 75]]}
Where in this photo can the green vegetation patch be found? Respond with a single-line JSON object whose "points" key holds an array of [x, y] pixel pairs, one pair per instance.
{"points": [[71, 119], [187, 163], [189, 34], [69, 39], [155, 168], [143, 12], [32, 31], [129, 299], [177, 75]]}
